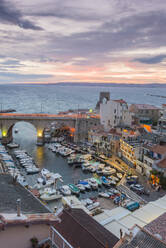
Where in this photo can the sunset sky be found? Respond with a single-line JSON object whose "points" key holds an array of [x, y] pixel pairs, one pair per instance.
{"points": [[49, 41]]}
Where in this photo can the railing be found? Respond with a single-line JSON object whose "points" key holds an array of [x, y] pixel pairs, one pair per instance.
{"points": [[58, 240]]}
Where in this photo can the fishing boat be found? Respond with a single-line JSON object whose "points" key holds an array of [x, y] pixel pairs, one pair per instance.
{"points": [[16, 130], [74, 189]]}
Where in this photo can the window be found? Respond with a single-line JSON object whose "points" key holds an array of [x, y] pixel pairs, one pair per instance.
{"points": [[114, 111]]}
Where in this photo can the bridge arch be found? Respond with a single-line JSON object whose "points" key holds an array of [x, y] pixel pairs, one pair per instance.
{"points": [[7, 130]]}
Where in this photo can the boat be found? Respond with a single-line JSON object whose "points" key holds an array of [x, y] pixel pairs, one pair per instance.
{"points": [[44, 172], [105, 182], [119, 175], [81, 187], [93, 206], [32, 170], [93, 183], [104, 194], [50, 195], [74, 189], [16, 130], [65, 190], [98, 181], [13, 145], [108, 171], [85, 184]]}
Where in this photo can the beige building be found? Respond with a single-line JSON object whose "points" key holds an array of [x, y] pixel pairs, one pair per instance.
{"points": [[145, 113]]}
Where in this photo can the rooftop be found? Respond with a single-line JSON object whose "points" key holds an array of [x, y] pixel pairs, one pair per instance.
{"points": [[143, 239], [159, 149], [120, 101], [81, 230], [145, 106], [162, 164], [157, 226], [9, 193]]}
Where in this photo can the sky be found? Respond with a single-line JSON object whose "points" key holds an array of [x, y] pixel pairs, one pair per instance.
{"points": [[111, 41]]}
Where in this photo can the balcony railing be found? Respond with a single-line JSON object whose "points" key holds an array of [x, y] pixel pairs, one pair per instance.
{"points": [[58, 240]]}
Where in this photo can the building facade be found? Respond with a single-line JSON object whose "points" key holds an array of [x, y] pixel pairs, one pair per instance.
{"points": [[114, 113]]}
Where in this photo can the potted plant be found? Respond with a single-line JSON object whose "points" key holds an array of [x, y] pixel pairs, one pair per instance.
{"points": [[34, 242]]}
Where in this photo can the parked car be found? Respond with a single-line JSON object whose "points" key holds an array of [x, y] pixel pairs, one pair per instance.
{"points": [[132, 206], [132, 180], [137, 187], [116, 160], [117, 199]]}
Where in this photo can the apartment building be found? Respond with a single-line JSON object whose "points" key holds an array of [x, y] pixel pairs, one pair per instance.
{"points": [[114, 113], [145, 113]]}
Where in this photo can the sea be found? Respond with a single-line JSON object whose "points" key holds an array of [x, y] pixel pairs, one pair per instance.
{"points": [[55, 98]]}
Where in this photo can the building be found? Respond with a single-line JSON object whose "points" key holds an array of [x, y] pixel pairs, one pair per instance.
{"points": [[104, 96], [145, 113], [114, 113], [130, 151], [154, 156], [162, 120], [23, 218], [81, 230], [106, 143], [141, 238], [120, 220]]}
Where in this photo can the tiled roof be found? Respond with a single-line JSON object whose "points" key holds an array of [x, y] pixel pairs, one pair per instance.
{"points": [[145, 106], [120, 101], [158, 226], [10, 192], [143, 239], [162, 164], [159, 149], [81, 230]]}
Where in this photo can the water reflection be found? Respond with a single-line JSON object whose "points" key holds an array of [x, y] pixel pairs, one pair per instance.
{"points": [[39, 156]]}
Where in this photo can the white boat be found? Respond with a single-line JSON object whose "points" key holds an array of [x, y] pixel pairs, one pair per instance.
{"points": [[50, 196], [92, 182], [65, 190], [12, 145], [81, 187], [108, 171], [16, 130], [32, 170], [41, 185], [87, 202], [103, 194], [119, 175], [93, 206], [44, 172]]}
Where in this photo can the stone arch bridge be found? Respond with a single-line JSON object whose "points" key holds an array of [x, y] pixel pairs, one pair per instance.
{"points": [[81, 124]]}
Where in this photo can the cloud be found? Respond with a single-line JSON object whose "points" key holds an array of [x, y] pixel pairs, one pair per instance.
{"points": [[151, 60], [9, 14]]}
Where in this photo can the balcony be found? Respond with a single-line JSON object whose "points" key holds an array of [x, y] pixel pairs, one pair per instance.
{"points": [[56, 240]]}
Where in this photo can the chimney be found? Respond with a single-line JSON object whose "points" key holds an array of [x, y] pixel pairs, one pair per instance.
{"points": [[18, 207], [121, 234]]}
